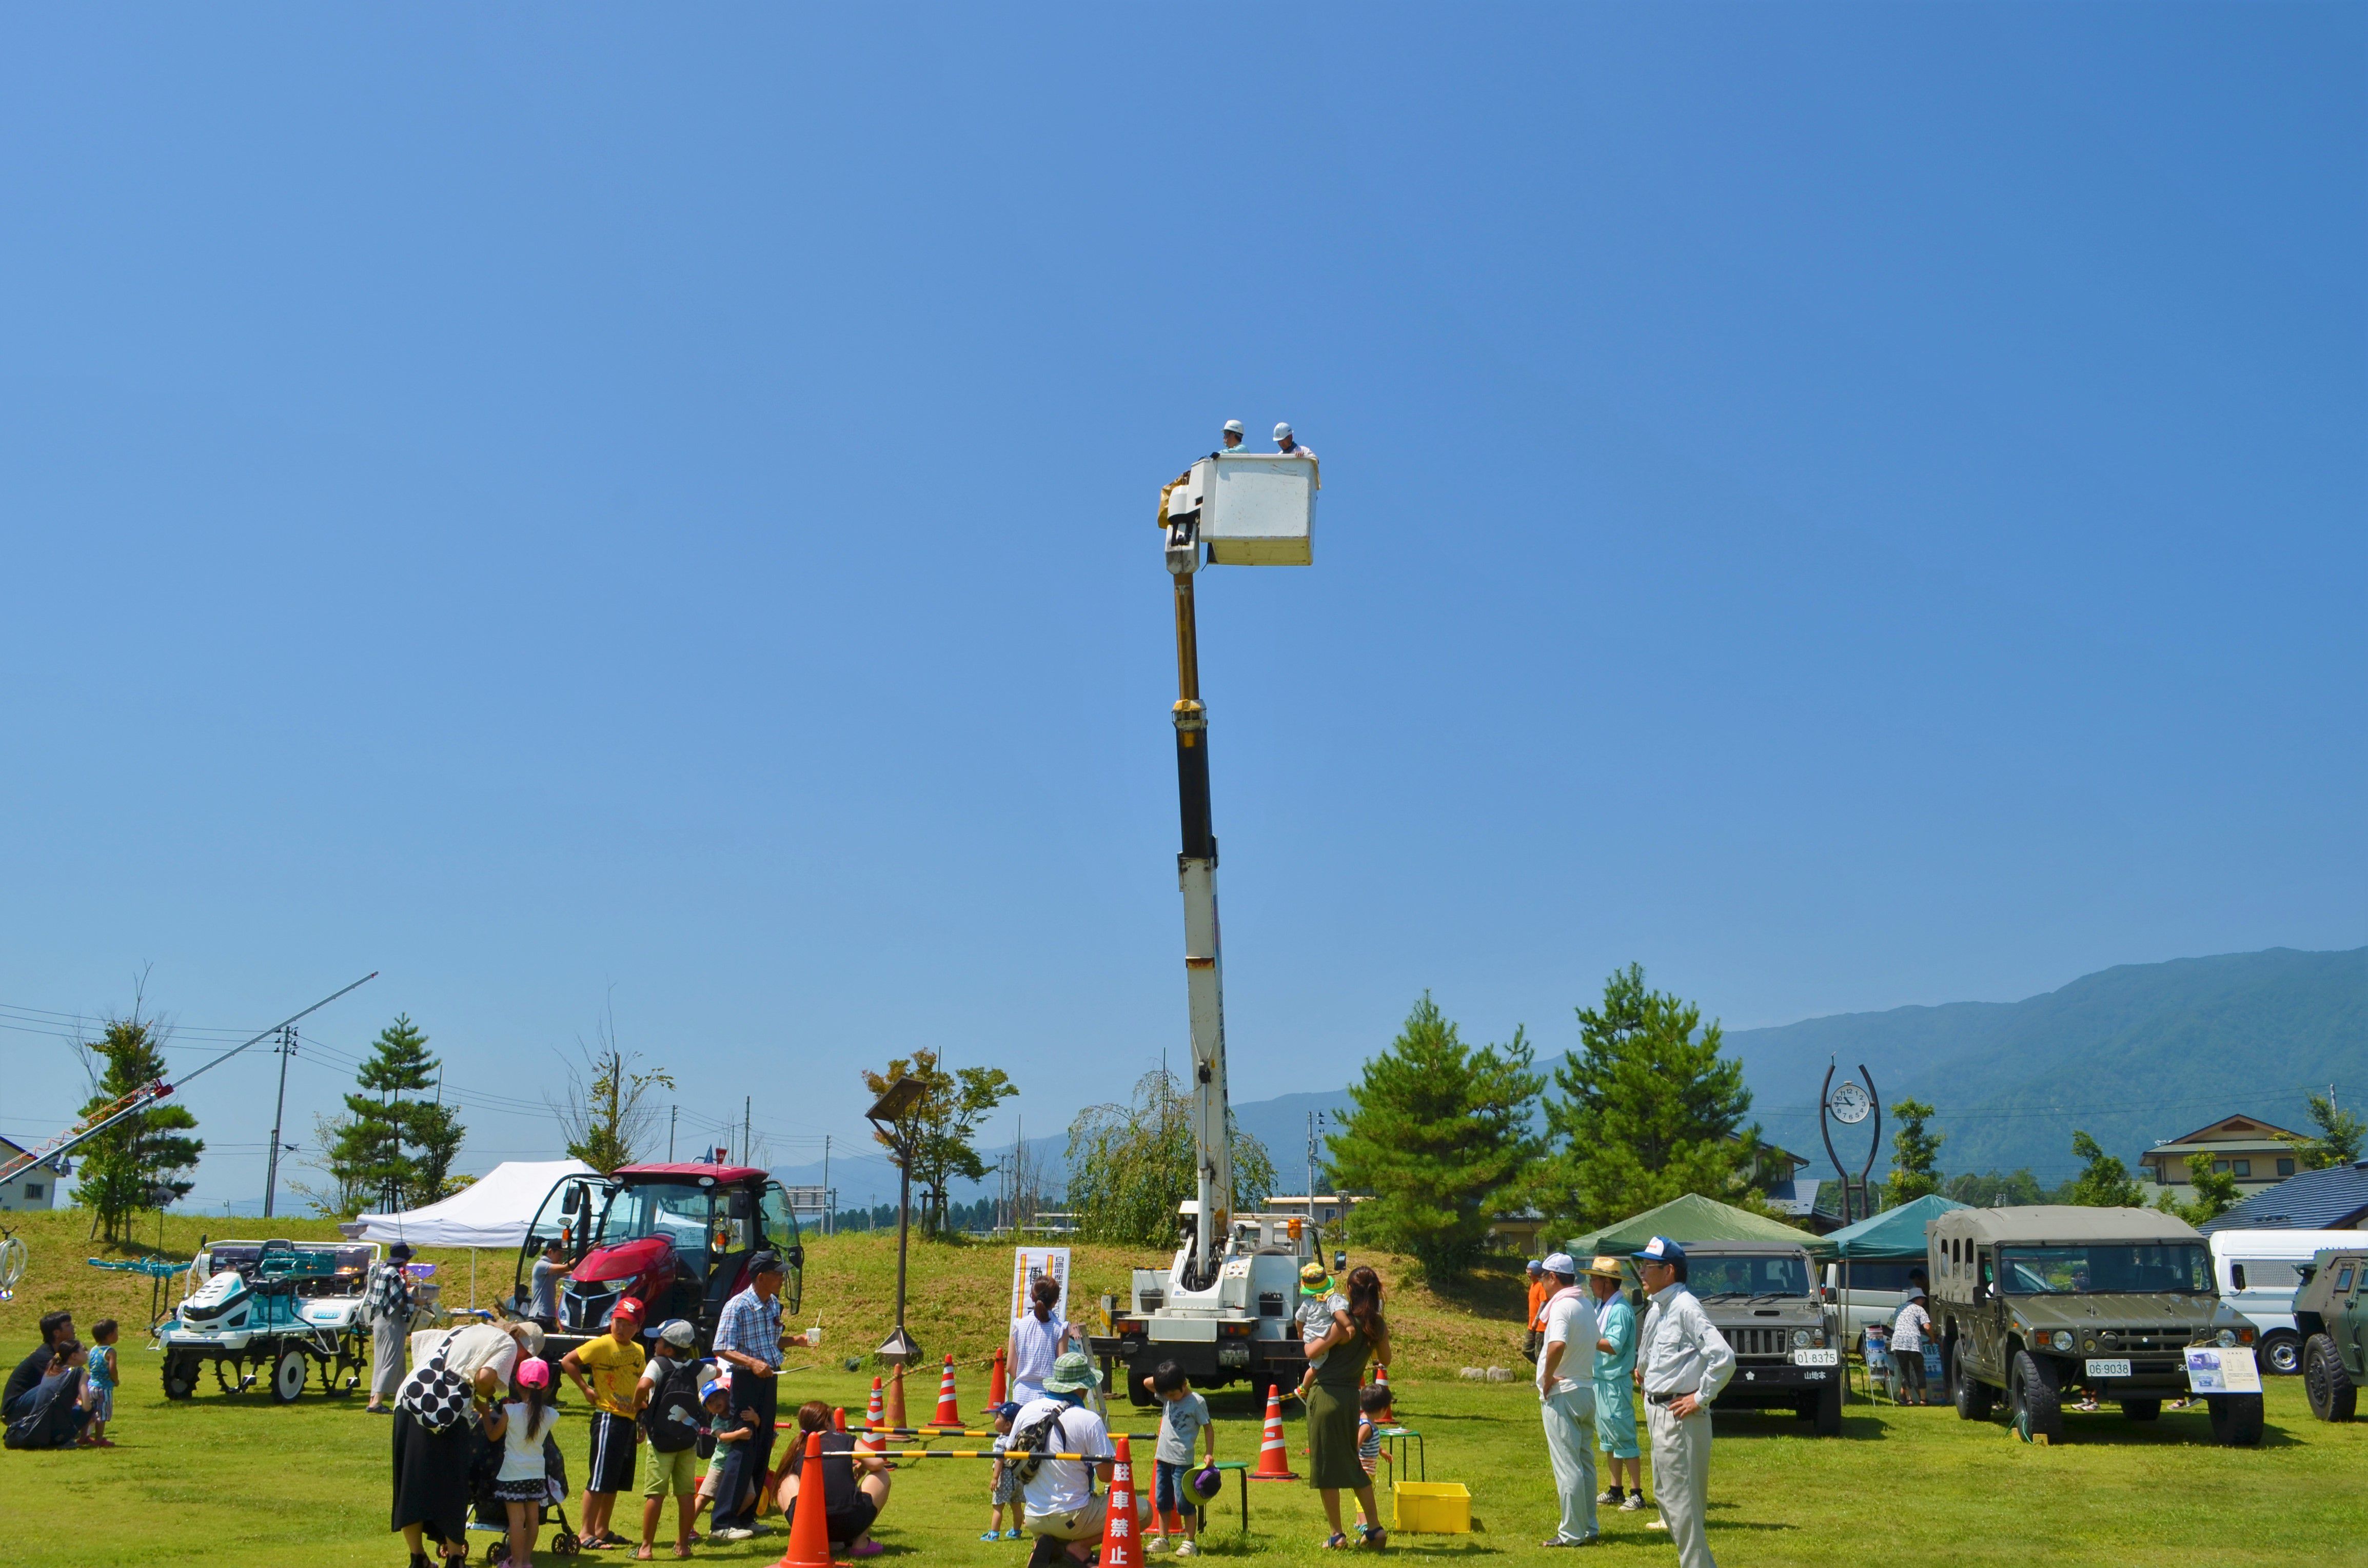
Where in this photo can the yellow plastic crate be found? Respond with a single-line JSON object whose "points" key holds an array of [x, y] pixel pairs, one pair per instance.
{"points": [[1431, 1507]]}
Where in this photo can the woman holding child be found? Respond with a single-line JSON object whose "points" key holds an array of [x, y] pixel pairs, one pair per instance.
{"points": [[1359, 1334]]}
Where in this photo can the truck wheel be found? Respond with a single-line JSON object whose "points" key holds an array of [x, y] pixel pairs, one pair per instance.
{"points": [[1135, 1372], [2142, 1409], [2235, 1419], [2333, 1396], [2282, 1353], [1828, 1415], [2037, 1411], [288, 1376], [180, 1377], [1972, 1396]]}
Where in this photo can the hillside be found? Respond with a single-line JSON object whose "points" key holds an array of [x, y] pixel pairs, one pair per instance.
{"points": [[2132, 1054]]}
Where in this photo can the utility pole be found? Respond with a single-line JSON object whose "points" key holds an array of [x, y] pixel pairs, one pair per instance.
{"points": [[827, 1204], [279, 1109], [745, 1154], [673, 1117]]}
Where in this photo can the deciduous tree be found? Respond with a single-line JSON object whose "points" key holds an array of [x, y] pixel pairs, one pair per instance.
{"points": [[943, 1125], [1131, 1166], [1914, 1153], [2103, 1182], [2339, 1136], [607, 1114], [2215, 1193], [1440, 1133]]}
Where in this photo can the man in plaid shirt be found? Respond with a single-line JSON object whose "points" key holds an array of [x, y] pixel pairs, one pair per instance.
{"points": [[387, 1307], [748, 1337]]}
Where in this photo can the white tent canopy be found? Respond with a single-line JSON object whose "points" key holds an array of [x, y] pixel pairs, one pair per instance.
{"points": [[492, 1212]]}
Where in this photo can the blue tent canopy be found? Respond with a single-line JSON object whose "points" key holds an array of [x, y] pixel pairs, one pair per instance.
{"points": [[1893, 1234]]}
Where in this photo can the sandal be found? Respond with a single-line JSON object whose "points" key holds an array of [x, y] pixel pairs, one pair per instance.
{"points": [[1335, 1541], [1374, 1537]]}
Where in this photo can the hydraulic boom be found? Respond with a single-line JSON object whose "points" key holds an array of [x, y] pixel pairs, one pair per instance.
{"points": [[1196, 870]]}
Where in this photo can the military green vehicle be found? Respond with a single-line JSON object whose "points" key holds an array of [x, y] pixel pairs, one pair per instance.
{"points": [[1762, 1297], [2039, 1303], [2331, 1314]]}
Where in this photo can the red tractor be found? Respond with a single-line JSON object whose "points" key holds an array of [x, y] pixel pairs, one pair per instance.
{"points": [[676, 1237]]}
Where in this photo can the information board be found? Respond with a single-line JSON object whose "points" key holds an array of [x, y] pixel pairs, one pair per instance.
{"points": [[2221, 1369], [1032, 1264]]}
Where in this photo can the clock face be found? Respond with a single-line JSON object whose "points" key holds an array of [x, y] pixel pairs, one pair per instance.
{"points": [[1851, 1104]]}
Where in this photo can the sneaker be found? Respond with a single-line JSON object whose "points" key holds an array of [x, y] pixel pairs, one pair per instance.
{"points": [[1156, 1543], [992, 1535], [1187, 1548], [1633, 1503], [1657, 1523], [733, 1532], [1013, 1534], [1609, 1498]]}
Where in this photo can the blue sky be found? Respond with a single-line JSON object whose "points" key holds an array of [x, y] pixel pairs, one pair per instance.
{"points": [[574, 508]]}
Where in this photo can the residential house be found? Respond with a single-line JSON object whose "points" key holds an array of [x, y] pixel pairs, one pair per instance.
{"points": [[33, 1189], [2332, 1200], [2256, 1153]]}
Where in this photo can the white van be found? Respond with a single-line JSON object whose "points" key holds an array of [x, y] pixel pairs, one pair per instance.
{"points": [[2258, 1272], [1878, 1288]]}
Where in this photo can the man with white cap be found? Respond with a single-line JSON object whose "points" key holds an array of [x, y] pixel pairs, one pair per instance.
{"points": [[1288, 445], [1566, 1400], [1682, 1363]]}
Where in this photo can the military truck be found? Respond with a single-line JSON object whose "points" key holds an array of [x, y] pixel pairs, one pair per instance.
{"points": [[2039, 1303], [1762, 1297], [2331, 1314]]}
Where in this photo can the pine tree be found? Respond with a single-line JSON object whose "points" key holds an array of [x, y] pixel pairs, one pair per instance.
{"points": [[1440, 1134], [1913, 1153], [2103, 1182], [1650, 1111], [137, 1163], [398, 1140]]}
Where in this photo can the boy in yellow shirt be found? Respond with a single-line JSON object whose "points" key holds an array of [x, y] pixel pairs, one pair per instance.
{"points": [[607, 1372]]}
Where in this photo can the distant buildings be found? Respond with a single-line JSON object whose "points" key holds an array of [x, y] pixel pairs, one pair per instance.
{"points": [[34, 1189], [2332, 1199], [2258, 1155]]}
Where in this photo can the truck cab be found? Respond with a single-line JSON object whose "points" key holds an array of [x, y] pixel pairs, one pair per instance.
{"points": [[2036, 1301], [1241, 1325]]}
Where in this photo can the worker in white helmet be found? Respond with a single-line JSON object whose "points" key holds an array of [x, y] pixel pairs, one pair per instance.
{"points": [[1232, 434], [1232, 437], [1288, 445]]}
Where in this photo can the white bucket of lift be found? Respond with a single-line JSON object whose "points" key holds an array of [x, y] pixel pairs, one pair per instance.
{"points": [[1256, 508]]}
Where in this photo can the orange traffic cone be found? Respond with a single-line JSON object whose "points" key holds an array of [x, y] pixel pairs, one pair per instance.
{"points": [[1274, 1455], [1381, 1376], [809, 1528], [1122, 1548], [948, 1407], [998, 1387], [838, 1420], [896, 1395]]}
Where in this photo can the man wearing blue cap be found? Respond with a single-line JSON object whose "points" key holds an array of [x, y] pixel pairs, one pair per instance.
{"points": [[1566, 1400], [1681, 1364]]}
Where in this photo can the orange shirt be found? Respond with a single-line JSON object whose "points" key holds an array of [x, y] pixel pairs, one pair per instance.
{"points": [[1541, 1289]]}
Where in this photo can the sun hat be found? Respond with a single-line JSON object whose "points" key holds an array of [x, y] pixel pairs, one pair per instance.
{"points": [[1606, 1267], [1560, 1263], [399, 1250], [676, 1333], [1207, 1482], [1314, 1281], [1661, 1249], [1073, 1373], [534, 1373]]}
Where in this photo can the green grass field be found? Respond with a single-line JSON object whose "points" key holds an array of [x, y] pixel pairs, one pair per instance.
{"points": [[239, 1480]]}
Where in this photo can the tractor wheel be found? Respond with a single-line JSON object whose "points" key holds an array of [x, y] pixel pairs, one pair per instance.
{"points": [[2037, 1409], [2235, 1419], [180, 1377], [2333, 1395], [290, 1373], [229, 1373], [2282, 1353]]}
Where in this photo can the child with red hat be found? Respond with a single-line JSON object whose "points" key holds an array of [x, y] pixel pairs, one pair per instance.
{"points": [[607, 1372]]}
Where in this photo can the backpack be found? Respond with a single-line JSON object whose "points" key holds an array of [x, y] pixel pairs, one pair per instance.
{"points": [[1023, 1455], [672, 1422]]}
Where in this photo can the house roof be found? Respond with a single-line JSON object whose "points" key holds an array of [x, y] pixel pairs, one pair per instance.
{"points": [[2332, 1199], [2231, 1129]]}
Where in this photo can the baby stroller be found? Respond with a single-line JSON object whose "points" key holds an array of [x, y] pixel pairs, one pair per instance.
{"points": [[491, 1513]]}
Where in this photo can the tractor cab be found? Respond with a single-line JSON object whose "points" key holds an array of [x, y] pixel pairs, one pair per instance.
{"points": [[678, 1237]]}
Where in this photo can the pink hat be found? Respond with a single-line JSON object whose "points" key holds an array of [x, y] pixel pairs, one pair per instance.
{"points": [[534, 1373]]}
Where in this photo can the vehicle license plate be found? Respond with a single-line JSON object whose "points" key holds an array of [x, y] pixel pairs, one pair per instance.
{"points": [[1826, 1358], [2100, 1369]]}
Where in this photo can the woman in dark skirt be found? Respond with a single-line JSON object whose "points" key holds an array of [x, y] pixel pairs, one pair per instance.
{"points": [[1358, 1334], [431, 1468]]}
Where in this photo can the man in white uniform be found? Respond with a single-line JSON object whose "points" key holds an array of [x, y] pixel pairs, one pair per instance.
{"points": [[1566, 1400], [1681, 1364]]}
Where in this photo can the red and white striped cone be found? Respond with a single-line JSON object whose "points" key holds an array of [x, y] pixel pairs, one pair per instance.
{"points": [[1122, 1548], [1381, 1376], [948, 1407], [875, 1414], [1274, 1455]]}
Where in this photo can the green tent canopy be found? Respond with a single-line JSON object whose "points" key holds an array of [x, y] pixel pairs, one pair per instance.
{"points": [[1893, 1234], [1686, 1220]]}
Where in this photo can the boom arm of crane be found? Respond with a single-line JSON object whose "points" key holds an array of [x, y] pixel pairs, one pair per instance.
{"points": [[1196, 870]]}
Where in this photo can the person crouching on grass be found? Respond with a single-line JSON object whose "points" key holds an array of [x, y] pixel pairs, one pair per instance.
{"points": [[520, 1425], [1183, 1418], [607, 1372]]}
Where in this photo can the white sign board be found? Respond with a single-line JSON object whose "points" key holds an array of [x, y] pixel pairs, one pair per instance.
{"points": [[2218, 1368], [1032, 1264]]}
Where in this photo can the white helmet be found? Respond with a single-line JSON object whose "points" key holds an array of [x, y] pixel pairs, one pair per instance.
{"points": [[1282, 432], [1232, 427]]}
